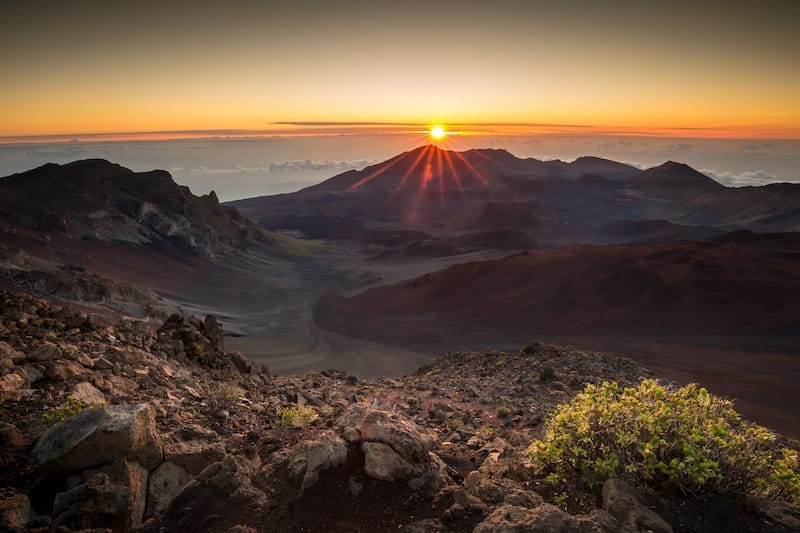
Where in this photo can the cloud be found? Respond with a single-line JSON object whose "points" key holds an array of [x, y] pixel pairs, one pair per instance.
{"points": [[680, 147], [323, 164], [238, 169], [753, 177], [301, 165]]}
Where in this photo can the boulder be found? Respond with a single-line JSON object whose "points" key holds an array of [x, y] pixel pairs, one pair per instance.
{"points": [[95, 504], [6, 364], [11, 437], [781, 513], [394, 448], [361, 423], [193, 448], [544, 518], [624, 503], [15, 509], [166, 482], [221, 497], [9, 353], [383, 463], [134, 477], [47, 351], [99, 436], [213, 330], [311, 457], [88, 395], [11, 386], [241, 362], [32, 373], [62, 370], [496, 491], [84, 360], [126, 355]]}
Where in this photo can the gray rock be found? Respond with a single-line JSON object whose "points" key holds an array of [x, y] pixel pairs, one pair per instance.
{"points": [[394, 448], [47, 351], [132, 476], [214, 333], [624, 503], [88, 395], [8, 352], [166, 482], [11, 386], [495, 491], [545, 518], [102, 363], [193, 448], [241, 362], [15, 509], [98, 436], [95, 504], [360, 423], [11, 437], [782, 513], [221, 497], [33, 373], [84, 360], [311, 457], [126, 355], [383, 463], [62, 370]]}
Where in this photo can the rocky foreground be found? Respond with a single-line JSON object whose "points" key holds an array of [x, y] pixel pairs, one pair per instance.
{"points": [[115, 426]]}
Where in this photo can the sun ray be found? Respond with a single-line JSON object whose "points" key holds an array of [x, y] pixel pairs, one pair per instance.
{"points": [[449, 160], [375, 174], [441, 177], [411, 169], [472, 168]]}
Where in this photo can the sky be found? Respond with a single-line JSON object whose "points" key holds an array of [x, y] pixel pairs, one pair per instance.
{"points": [[88, 66], [306, 88]]}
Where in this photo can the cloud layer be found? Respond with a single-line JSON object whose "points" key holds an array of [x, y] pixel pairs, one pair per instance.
{"points": [[304, 165], [744, 179]]}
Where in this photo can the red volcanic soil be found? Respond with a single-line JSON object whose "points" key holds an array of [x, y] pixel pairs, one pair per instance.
{"points": [[685, 288], [725, 313], [157, 267]]}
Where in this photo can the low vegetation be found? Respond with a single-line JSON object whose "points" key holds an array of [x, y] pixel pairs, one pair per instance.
{"points": [[296, 417], [683, 440], [70, 407], [296, 246]]}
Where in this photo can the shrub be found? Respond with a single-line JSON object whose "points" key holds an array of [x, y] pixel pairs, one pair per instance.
{"points": [[296, 417], [686, 440], [503, 411], [58, 414], [455, 423]]}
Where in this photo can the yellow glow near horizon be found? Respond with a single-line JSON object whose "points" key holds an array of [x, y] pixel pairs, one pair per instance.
{"points": [[438, 132], [70, 71]]}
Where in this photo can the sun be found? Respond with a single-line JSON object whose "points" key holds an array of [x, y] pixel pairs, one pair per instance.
{"points": [[438, 132]]}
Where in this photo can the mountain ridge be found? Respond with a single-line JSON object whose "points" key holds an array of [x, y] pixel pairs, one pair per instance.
{"points": [[98, 200], [432, 190]]}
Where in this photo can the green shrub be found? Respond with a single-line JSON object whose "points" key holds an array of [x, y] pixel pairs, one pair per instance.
{"points": [[503, 411], [58, 414], [455, 423], [296, 417], [671, 440]]}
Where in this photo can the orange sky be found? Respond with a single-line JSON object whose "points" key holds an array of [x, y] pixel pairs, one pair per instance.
{"points": [[697, 68]]}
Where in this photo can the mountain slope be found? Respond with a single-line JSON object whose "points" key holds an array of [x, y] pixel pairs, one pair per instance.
{"points": [[98, 200], [658, 289], [445, 193]]}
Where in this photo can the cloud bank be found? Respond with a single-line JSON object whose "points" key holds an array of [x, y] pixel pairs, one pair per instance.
{"points": [[304, 165], [744, 179]]}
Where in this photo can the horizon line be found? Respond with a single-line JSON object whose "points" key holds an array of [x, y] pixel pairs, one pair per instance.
{"points": [[351, 128]]}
